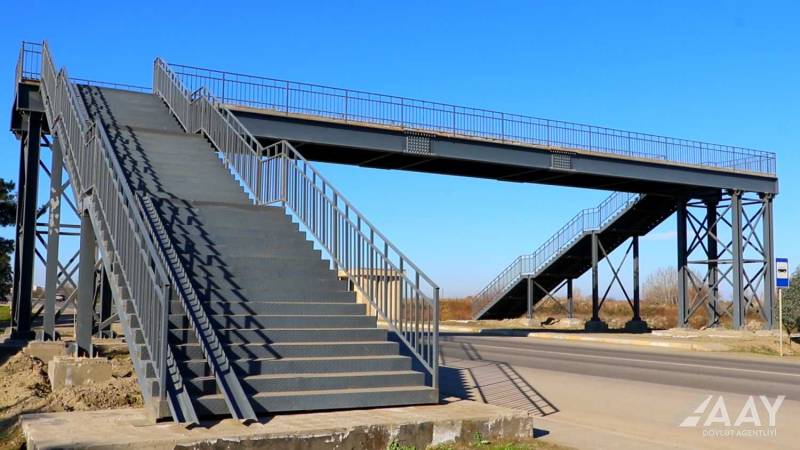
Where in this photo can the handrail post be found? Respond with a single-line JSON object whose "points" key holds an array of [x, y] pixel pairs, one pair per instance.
{"points": [[435, 342], [259, 180], [335, 232], [162, 369]]}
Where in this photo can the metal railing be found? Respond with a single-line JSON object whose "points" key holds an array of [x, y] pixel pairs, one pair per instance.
{"points": [[402, 294], [112, 85], [29, 62], [586, 221], [95, 170], [213, 350], [359, 107]]}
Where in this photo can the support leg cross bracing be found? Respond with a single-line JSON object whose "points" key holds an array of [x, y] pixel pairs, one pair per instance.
{"points": [[725, 257]]}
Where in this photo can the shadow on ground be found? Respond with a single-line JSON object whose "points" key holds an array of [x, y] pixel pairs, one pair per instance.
{"points": [[491, 382]]}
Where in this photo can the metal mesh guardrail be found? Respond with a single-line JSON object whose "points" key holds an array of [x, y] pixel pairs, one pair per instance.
{"points": [[586, 221], [359, 107]]}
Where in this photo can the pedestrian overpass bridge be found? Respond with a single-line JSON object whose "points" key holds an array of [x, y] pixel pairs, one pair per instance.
{"points": [[234, 266]]}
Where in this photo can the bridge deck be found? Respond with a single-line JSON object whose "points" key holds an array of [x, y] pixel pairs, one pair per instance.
{"points": [[388, 146]]}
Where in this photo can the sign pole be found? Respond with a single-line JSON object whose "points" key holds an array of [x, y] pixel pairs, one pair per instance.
{"points": [[781, 282], [780, 318]]}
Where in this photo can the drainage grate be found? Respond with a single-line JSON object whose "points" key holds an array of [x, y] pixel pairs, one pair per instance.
{"points": [[561, 161]]}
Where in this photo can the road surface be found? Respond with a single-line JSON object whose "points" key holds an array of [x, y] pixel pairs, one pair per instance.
{"points": [[598, 396]]}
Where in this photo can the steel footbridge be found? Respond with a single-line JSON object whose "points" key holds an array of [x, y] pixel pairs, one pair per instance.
{"points": [[246, 284]]}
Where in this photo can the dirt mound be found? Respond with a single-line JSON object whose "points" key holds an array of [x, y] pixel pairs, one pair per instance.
{"points": [[25, 389], [117, 393]]}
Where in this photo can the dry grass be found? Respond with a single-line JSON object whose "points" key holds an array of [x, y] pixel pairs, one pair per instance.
{"points": [[616, 313]]}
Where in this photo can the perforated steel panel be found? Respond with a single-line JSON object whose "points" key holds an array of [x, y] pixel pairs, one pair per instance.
{"points": [[417, 143], [562, 161]]}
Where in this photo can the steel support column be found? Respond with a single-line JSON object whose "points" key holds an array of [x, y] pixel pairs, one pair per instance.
{"points": [[570, 306], [712, 253], [53, 234], [530, 299], [769, 257], [106, 308], [595, 324], [84, 316], [636, 298], [23, 288], [737, 258], [682, 266], [595, 278]]}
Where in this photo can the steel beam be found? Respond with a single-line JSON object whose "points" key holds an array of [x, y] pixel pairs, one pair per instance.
{"points": [[23, 289], [53, 234], [84, 316]]}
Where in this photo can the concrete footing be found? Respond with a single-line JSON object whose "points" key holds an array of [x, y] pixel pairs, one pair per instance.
{"points": [[368, 429], [636, 326], [595, 325], [46, 350], [66, 371]]}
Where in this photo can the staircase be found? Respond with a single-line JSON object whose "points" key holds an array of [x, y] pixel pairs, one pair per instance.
{"points": [[249, 316], [567, 254]]}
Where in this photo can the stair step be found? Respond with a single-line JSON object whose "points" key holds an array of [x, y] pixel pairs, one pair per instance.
{"points": [[244, 367], [278, 308], [293, 350], [283, 295], [312, 381], [272, 321], [271, 402], [279, 335]]}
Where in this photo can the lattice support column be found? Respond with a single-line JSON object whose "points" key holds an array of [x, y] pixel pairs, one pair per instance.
{"points": [[725, 259]]}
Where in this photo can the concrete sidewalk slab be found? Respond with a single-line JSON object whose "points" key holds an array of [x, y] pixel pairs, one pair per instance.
{"points": [[368, 429], [635, 341]]}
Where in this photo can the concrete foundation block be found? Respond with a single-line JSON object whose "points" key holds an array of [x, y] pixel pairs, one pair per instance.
{"points": [[636, 326], [66, 371], [45, 351], [595, 325]]}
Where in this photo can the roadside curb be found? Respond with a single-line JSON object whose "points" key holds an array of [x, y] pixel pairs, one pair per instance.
{"points": [[702, 347]]}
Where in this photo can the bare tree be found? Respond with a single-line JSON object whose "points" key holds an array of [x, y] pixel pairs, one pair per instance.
{"points": [[662, 286]]}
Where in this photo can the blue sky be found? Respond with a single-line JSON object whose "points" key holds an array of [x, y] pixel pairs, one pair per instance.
{"points": [[720, 71]]}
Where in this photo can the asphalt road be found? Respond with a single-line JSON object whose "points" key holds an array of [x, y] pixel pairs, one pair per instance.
{"points": [[720, 373], [593, 396]]}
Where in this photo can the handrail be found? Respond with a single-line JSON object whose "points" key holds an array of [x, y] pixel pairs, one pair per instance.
{"points": [[210, 345], [96, 171], [360, 107], [586, 221], [280, 174]]}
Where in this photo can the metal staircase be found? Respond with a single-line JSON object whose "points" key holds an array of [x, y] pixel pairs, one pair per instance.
{"points": [[566, 255], [228, 308]]}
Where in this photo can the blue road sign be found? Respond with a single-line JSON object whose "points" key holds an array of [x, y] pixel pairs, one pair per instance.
{"points": [[782, 273]]}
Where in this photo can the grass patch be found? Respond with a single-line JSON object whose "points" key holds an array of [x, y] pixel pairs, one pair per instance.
{"points": [[5, 317], [478, 443], [517, 444]]}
